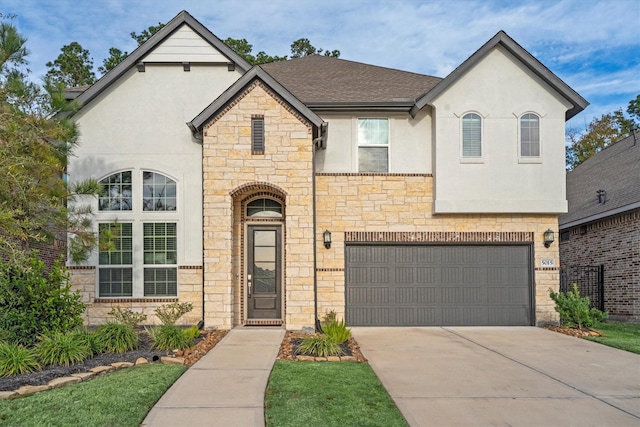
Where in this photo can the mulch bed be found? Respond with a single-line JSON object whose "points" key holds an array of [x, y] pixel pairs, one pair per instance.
{"points": [[578, 333], [293, 339]]}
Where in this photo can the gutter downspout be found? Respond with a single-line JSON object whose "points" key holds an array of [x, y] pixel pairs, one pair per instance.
{"points": [[315, 242]]}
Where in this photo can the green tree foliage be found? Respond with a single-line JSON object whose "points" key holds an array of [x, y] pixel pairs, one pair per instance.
{"points": [[299, 48], [634, 109], [36, 203], [73, 67], [303, 47], [574, 310], [116, 55], [146, 34], [600, 133]]}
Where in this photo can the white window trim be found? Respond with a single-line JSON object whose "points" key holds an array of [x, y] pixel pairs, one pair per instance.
{"points": [[528, 159], [472, 159], [358, 145]]}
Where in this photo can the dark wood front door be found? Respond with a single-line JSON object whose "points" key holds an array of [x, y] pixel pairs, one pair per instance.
{"points": [[264, 272]]}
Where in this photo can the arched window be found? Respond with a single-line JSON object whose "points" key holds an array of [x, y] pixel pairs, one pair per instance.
{"points": [[471, 135], [116, 192], [530, 135], [264, 208], [158, 192]]}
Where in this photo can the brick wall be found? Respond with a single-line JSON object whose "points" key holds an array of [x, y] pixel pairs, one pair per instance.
{"points": [[615, 243], [400, 206]]}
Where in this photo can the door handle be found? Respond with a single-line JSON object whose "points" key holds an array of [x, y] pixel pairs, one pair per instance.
{"points": [[249, 285]]}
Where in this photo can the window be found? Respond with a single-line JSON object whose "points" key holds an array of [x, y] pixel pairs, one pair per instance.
{"points": [[115, 276], [138, 254], [257, 134], [373, 145], [471, 135], [160, 250], [530, 135], [158, 192], [264, 208], [116, 192]]}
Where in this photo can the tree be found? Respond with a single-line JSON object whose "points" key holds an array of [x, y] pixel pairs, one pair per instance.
{"points": [[303, 47], [600, 133], [116, 55], [35, 201], [299, 48], [73, 67], [634, 109]]}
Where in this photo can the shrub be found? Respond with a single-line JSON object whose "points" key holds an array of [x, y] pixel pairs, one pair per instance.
{"points": [[89, 339], [170, 313], [192, 332], [319, 346], [35, 302], [574, 310], [16, 359], [127, 316], [62, 349], [116, 338], [338, 331], [170, 337]]}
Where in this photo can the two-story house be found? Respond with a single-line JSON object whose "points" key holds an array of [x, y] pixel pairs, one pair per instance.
{"points": [[269, 195]]}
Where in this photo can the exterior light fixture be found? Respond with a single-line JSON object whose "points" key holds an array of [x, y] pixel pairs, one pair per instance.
{"points": [[548, 238], [327, 238]]}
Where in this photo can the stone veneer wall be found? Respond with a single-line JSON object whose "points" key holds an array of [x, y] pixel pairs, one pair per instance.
{"points": [[615, 243], [83, 279], [401, 205], [233, 174]]}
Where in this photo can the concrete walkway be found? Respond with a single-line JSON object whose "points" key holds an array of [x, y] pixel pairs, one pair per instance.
{"points": [[224, 388], [512, 376]]}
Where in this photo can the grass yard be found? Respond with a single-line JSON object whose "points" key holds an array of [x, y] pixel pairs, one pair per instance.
{"points": [[625, 336], [121, 398], [328, 394]]}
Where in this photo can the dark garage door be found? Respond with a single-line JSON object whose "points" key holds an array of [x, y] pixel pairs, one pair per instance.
{"points": [[438, 285]]}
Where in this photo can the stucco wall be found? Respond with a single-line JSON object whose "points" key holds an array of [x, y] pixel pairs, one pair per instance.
{"points": [[499, 89], [402, 203], [615, 243]]}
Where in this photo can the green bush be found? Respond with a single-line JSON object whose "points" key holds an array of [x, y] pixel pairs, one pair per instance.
{"points": [[170, 337], [116, 338], [192, 332], [127, 316], [574, 310], [319, 346], [170, 313], [338, 331], [62, 349], [35, 302], [90, 339], [16, 359]]}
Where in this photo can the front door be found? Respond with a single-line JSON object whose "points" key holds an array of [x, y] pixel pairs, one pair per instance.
{"points": [[264, 272]]}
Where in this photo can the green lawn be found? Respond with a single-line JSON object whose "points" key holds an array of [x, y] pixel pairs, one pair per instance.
{"points": [[121, 398], [325, 394], [625, 336]]}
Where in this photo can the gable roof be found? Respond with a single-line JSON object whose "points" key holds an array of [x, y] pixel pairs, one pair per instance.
{"points": [[239, 86], [183, 18], [327, 83], [528, 60], [616, 170]]}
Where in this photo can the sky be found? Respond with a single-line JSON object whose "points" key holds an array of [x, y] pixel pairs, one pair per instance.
{"points": [[592, 45]]}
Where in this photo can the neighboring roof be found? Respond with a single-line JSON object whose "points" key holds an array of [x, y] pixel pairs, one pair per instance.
{"points": [[327, 83], [502, 39], [183, 18], [239, 86], [616, 170]]}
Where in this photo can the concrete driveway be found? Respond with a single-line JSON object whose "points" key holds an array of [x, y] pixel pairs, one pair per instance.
{"points": [[494, 376]]}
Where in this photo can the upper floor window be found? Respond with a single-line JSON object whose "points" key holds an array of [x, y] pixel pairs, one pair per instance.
{"points": [[373, 145], [116, 194], [257, 134], [530, 135], [471, 135], [158, 192], [264, 208]]}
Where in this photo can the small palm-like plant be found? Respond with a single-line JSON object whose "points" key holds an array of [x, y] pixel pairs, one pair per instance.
{"points": [[16, 359], [62, 349], [319, 346], [116, 338]]}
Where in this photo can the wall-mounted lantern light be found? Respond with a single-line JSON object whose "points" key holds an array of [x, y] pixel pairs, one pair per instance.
{"points": [[548, 238], [327, 238]]}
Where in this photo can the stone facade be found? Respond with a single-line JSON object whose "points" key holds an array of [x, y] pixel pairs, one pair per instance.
{"points": [[233, 176], [615, 243], [83, 279], [400, 207]]}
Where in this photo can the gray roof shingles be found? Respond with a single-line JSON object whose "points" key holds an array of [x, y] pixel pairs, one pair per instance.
{"points": [[318, 79], [616, 169]]}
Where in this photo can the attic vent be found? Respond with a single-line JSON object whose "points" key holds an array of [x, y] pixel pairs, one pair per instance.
{"points": [[231, 66], [602, 196], [257, 134]]}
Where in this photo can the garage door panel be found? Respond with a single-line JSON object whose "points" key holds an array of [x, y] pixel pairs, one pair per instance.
{"points": [[438, 285]]}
